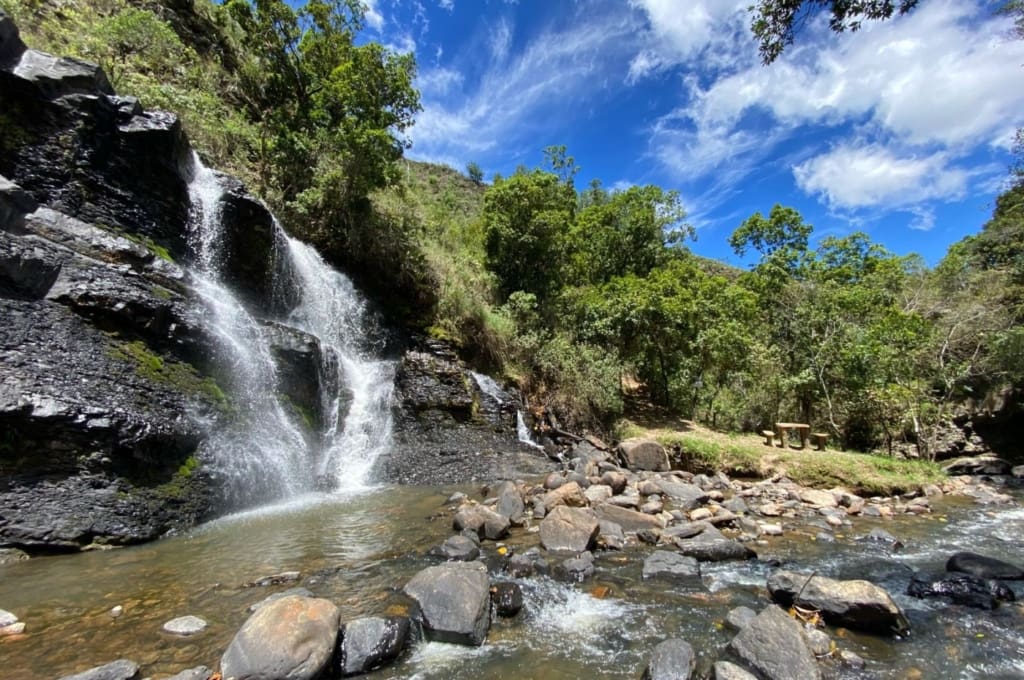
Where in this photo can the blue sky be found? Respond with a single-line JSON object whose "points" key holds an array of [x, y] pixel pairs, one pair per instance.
{"points": [[901, 130]]}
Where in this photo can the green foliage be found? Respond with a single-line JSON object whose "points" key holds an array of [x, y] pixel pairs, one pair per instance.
{"points": [[775, 22], [475, 172]]}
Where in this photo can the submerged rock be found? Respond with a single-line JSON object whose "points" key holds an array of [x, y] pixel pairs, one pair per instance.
{"points": [[371, 642], [293, 637], [854, 604], [454, 602], [122, 669], [671, 660], [185, 625], [960, 588], [773, 644], [671, 565]]}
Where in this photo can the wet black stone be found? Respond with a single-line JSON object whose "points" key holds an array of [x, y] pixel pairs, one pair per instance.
{"points": [[983, 567], [507, 598], [963, 589]]}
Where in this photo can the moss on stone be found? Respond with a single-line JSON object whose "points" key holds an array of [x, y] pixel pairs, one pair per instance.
{"points": [[176, 374]]}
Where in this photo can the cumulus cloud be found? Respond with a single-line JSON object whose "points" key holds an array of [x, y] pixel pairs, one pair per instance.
{"points": [[852, 176], [374, 19], [917, 93]]}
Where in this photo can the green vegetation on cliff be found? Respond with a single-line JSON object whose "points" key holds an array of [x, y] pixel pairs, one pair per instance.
{"points": [[581, 294]]}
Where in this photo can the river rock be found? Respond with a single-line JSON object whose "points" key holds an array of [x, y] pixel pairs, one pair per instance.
{"points": [[598, 493], [711, 546], [616, 480], [292, 638], [854, 604], [300, 592], [725, 670], [122, 669], [7, 618], [685, 496], [629, 520], [959, 588], [507, 598], [985, 464], [611, 536], [818, 499], [454, 602], [484, 521], [643, 454], [819, 642], [459, 548], [185, 625], [773, 644], [527, 564], [570, 494], [879, 535], [738, 617], [569, 529], [368, 643], [671, 565], [983, 567], [576, 569], [671, 660], [510, 502], [197, 673]]}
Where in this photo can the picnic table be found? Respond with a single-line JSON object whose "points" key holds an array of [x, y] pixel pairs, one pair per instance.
{"points": [[783, 429]]}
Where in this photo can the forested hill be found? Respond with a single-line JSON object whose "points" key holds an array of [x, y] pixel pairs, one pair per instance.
{"points": [[572, 291]]}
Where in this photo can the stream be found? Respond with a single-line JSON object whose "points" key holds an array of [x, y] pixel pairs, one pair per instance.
{"points": [[358, 549]]}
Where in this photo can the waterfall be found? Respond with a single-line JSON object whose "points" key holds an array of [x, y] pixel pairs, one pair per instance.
{"points": [[330, 308], [263, 454]]}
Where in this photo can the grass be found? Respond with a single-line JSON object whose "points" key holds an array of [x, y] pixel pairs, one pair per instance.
{"points": [[704, 450]]}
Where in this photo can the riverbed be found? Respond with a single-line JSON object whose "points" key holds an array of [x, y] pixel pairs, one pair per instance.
{"points": [[359, 549]]}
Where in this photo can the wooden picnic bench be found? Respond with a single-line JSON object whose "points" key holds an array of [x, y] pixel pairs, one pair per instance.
{"points": [[782, 431]]}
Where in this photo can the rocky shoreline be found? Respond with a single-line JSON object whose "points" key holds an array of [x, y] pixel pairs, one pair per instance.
{"points": [[602, 502]]}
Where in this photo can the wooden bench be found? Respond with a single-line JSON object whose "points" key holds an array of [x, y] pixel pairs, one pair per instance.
{"points": [[819, 439], [769, 437]]}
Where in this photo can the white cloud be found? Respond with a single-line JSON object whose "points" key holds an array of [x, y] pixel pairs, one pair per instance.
{"points": [[916, 93], [858, 177], [446, 4], [515, 95], [374, 19]]}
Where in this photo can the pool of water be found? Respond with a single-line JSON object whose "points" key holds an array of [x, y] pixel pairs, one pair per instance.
{"points": [[358, 550]]}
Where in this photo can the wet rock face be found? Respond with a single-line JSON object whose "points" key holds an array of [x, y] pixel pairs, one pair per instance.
{"points": [[74, 146], [444, 433], [372, 642]]}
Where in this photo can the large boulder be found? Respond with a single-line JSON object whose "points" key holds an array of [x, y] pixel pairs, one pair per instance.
{"points": [[685, 496], [454, 602], [481, 520], [510, 502], [369, 643], [983, 567], [566, 494], [854, 604], [569, 529], [773, 644], [643, 454], [293, 638], [959, 588], [672, 659]]}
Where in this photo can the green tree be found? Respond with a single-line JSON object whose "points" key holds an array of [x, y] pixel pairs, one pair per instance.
{"points": [[775, 22], [625, 232], [526, 218], [475, 172]]}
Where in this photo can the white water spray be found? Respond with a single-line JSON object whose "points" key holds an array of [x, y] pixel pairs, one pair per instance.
{"points": [[264, 455]]}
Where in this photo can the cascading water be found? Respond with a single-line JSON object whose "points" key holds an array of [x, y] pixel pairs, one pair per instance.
{"points": [[264, 455], [330, 309]]}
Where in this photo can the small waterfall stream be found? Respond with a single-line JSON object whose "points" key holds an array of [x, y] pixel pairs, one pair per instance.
{"points": [[264, 455]]}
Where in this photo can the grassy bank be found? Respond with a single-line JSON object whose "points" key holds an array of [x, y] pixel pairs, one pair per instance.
{"points": [[704, 450]]}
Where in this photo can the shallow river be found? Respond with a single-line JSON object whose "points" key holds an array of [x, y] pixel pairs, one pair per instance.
{"points": [[359, 550]]}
